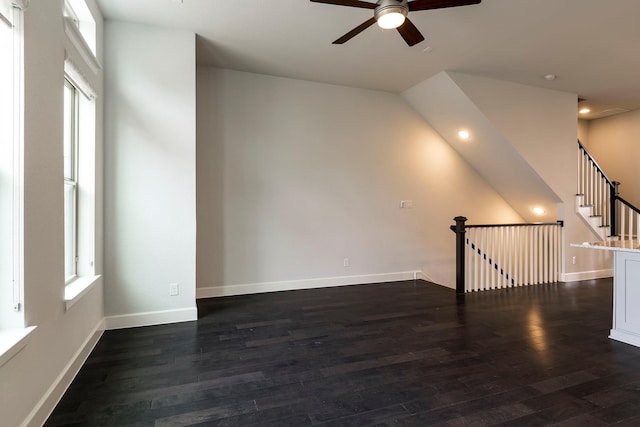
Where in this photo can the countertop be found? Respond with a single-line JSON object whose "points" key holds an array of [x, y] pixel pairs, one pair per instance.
{"points": [[614, 245]]}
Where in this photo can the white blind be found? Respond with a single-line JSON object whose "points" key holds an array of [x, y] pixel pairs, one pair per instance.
{"points": [[5, 12], [5, 9], [20, 4], [78, 79]]}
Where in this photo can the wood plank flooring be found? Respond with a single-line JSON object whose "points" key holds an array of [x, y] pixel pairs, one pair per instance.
{"points": [[393, 354]]}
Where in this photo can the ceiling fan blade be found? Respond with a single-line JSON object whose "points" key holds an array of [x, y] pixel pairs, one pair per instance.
{"points": [[350, 3], [410, 33], [439, 4], [351, 34]]}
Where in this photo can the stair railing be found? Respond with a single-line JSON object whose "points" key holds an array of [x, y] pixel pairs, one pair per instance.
{"points": [[628, 219], [496, 256], [603, 195], [597, 189]]}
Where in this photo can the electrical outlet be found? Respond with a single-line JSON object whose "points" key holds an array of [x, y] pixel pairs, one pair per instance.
{"points": [[573, 260], [345, 262], [174, 289], [404, 204]]}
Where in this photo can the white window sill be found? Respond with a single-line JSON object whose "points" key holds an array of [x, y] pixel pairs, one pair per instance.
{"points": [[77, 288], [12, 341]]}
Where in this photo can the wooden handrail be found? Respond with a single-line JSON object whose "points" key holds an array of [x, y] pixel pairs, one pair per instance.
{"points": [[629, 205], [462, 240], [526, 224], [592, 160]]}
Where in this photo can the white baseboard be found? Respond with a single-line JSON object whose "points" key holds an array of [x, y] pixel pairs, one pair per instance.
{"points": [[48, 402], [586, 275], [421, 275], [625, 337], [325, 282], [151, 318]]}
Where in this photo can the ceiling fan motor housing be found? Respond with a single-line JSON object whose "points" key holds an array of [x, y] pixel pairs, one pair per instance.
{"points": [[391, 6]]}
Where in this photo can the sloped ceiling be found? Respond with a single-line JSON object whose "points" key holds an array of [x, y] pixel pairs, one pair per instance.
{"points": [[446, 106], [589, 44]]}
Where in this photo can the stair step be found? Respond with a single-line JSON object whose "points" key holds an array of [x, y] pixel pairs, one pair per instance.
{"points": [[580, 194], [595, 216], [604, 226], [586, 206]]}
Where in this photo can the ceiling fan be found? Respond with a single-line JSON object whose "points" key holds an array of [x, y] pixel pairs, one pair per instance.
{"points": [[391, 14]]}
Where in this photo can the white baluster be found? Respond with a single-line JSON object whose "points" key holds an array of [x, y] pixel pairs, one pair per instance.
{"points": [[623, 227], [525, 256], [469, 260], [472, 273], [481, 266], [552, 253], [536, 264], [517, 249], [509, 251]]}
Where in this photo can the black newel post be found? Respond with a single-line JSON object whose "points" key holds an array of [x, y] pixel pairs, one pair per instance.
{"points": [[614, 193], [459, 229]]}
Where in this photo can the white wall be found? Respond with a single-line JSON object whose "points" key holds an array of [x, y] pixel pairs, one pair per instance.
{"points": [[295, 176], [542, 125], [613, 142], [150, 217], [33, 380]]}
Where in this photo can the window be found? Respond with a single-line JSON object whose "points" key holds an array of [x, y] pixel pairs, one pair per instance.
{"points": [[10, 166], [79, 179], [70, 180], [79, 150]]}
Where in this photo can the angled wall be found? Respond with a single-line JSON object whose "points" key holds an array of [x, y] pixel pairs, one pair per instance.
{"points": [[534, 128], [448, 108]]}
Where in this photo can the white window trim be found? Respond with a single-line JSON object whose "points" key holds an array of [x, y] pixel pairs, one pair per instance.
{"points": [[78, 287], [12, 341], [18, 156], [85, 278], [16, 321], [79, 284], [72, 180]]}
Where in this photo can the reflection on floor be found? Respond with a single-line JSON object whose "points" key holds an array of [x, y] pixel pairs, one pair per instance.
{"points": [[394, 354]]}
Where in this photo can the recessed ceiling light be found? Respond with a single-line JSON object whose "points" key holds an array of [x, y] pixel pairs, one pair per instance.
{"points": [[550, 77], [584, 110], [464, 134], [538, 210]]}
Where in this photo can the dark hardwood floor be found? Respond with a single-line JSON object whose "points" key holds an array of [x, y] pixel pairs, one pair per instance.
{"points": [[395, 354]]}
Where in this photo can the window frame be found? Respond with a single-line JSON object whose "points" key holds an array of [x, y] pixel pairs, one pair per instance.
{"points": [[12, 307], [72, 179], [83, 71]]}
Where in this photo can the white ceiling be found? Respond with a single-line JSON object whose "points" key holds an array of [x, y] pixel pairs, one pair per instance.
{"points": [[591, 45]]}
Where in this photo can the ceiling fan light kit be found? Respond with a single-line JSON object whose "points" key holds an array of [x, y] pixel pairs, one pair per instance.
{"points": [[390, 14]]}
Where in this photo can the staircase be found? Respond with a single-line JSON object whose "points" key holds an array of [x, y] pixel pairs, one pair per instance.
{"points": [[598, 202], [594, 222]]}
